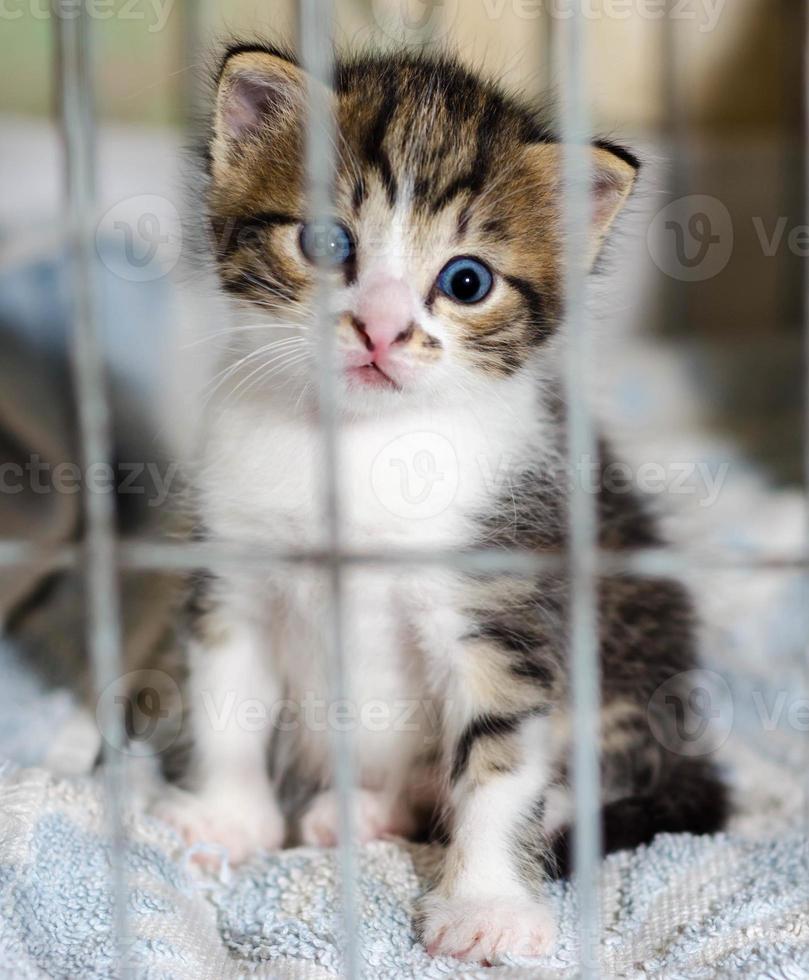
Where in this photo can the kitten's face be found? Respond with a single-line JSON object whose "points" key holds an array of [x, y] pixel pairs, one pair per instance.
{"points": [[443, 248]]}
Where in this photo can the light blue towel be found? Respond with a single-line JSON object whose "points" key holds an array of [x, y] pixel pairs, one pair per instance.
{"points": [[684, 907]]}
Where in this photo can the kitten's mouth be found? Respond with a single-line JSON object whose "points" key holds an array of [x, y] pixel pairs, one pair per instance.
{"points": [[372, 376]]}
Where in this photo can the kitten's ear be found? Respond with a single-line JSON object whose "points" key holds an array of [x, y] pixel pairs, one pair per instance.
{"points": [[613, 174], [256, 91]]}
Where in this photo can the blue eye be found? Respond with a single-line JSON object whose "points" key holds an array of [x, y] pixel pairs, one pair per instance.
{"points": [[466, 280], [326, 243]]}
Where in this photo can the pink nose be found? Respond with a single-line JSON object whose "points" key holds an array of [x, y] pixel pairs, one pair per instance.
{"points": [[385, 314]]}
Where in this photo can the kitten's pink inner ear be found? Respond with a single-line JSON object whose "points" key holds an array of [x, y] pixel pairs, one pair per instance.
{"points": [[254, 90], [249, 103], [612, 180]]}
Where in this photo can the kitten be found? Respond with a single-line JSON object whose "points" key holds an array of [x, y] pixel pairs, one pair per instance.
{"points": [[447, 306]]}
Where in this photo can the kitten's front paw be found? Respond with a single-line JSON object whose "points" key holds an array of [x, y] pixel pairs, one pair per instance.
{"points": [[375, 815], [481, 930], [241, 823]]}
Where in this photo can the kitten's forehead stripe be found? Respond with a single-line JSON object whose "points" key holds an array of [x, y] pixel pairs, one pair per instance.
{"points": [[475, 180], [375, 153]]}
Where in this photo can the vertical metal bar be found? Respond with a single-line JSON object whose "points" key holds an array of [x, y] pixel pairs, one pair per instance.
{"points": [[197, 22], [674, 300], [547, 50], [805, 146], [789, 78], [583, 626], [95, 429], [316, 47]]}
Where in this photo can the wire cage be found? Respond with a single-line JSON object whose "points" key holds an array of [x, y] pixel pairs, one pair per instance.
{"points": [[102, 554]]}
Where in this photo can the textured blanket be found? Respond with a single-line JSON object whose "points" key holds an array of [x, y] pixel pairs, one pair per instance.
{"points": [[732, 905], [683, 907]]}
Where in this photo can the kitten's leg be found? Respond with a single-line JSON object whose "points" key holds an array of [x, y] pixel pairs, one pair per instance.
{"points": [[231, 696], [501, 745], [403, 807], [377, 813], [395, 742]]}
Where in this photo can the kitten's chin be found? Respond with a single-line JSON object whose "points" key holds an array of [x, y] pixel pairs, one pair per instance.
{"points": [[371, 390], [370, 377]]}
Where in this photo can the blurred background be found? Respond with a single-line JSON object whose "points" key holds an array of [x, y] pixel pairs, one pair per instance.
{"points": [[710, 286]]}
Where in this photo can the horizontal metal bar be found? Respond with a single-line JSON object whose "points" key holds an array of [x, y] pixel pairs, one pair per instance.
{"points": [[24, 554], [191, 555]]}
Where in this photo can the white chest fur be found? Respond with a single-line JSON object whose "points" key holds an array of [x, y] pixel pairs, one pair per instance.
{"points": [[412, 479], [415, 480]]}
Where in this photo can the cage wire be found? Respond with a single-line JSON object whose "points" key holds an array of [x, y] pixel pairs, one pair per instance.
{"points": [[316, 20], [805, 310], [581, 445], [102, 556], [98, 549]]}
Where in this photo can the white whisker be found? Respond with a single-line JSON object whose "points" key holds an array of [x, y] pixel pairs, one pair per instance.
{"points": [[219, 379], [277, 357]]}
